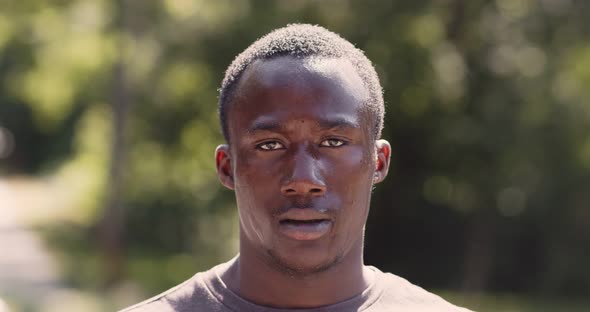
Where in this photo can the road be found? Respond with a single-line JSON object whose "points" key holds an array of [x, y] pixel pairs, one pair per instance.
{"points": [[28, 271]]}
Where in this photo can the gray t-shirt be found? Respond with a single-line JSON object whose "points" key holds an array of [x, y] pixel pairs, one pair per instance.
{"points": [[207, 292]]}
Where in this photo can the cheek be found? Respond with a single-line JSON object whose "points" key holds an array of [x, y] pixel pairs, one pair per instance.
{"points": [[252, 207], [252, 184], [354, 170], [353, 179], [254, 177]]}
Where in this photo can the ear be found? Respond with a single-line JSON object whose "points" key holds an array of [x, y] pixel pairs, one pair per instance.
{"points": [[383, 151], [223, 164]]}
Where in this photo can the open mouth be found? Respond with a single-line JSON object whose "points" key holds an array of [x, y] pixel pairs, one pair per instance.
{"points": [[303, 222], [305, 230]]}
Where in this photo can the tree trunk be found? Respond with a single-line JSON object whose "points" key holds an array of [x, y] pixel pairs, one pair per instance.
{"points": [[111, 226]]}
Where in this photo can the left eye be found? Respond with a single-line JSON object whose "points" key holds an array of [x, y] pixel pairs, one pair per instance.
{"points": [[332, 143]]}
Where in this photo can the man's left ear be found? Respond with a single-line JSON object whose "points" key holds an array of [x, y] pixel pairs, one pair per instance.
{"points": [[383, 153]]}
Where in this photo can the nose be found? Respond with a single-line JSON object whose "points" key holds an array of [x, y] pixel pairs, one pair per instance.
{"points": [[303, 178]]}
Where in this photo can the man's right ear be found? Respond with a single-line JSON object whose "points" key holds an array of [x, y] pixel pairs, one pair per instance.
{"points": [[223, 164]]}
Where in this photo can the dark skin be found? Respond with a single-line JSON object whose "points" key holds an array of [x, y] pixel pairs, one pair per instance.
{"points": [[302, 161]]}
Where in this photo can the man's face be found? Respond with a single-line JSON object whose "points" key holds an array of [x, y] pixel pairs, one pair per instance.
{"points": [[302, 161]]}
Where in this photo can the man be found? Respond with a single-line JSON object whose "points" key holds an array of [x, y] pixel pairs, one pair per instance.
{"points": [[302, 111]]}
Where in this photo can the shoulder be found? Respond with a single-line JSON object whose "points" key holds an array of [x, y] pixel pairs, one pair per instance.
{"points": [[398, 292], [160, 302], [192, 295], [150, 305], [203, 292]]}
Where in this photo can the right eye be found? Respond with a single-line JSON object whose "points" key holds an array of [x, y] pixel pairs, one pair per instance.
{"points": [[270, 146]]}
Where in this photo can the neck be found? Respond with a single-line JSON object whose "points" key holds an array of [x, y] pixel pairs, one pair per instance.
{"points": [[257, 280]]}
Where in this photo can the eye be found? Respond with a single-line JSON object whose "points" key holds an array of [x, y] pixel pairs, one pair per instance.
{"points": [[332, 143], [270, 146]]}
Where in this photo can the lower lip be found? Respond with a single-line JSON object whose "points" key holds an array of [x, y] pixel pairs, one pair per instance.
{"points": [[305, 231]]}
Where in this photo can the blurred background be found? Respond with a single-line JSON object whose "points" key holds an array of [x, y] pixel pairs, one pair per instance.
{"points": [[108, 124]]}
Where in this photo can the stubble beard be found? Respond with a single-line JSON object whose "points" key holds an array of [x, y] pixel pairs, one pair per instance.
{"points": [[299, 271]]}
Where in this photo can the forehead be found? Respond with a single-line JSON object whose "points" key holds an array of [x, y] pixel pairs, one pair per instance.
{"points": [[286, 88], [294, 72]]}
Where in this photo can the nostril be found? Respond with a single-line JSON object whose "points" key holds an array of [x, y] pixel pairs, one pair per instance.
{"points": [[303, 188]]}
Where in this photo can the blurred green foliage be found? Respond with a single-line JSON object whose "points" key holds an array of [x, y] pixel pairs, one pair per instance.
{"points": [[487, 113]]}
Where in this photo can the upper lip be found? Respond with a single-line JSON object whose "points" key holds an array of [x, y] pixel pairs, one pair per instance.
{"points": [[303, 214]]}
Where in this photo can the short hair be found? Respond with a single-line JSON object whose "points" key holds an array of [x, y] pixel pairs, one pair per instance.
{"points": [[300, 41]]}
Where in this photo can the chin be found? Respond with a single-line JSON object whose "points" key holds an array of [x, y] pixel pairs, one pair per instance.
{"points": [[303, 264]]}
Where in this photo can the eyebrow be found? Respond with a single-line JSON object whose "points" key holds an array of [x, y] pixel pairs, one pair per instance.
{"points": [[338, 122], [264, 124]]}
